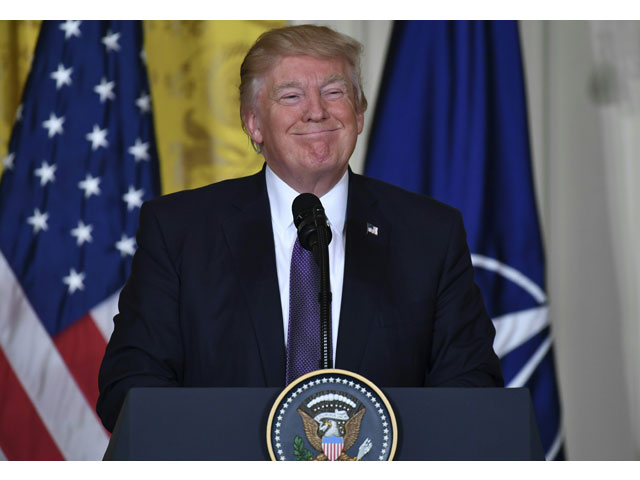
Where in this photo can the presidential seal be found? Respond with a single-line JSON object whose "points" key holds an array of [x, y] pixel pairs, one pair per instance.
{"points": [[331, 415]]}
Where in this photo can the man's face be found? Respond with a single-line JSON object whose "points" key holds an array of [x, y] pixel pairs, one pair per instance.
{"points": [[306, 121]]}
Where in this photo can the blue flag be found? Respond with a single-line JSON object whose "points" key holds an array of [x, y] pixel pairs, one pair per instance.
{"points": [[82, 159], [451, 123]]}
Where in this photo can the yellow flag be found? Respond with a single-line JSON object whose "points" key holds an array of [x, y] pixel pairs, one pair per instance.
{"points": [[194, 71], [17, 44]]}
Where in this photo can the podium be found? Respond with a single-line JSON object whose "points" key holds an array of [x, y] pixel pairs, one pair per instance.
{"points": [[230, 424]]}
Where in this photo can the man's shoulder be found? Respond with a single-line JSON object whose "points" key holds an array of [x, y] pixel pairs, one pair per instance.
{"points": [[218, 198], [398, 202]]}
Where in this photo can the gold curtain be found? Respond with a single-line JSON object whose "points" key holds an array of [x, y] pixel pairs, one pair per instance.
{"points": [[17, 43], [194, 72]]}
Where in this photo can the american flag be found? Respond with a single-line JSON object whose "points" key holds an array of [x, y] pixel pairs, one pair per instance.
{"points": [[81, 161]]}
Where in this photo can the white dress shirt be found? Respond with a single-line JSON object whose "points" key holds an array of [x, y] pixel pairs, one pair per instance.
{"points": [[281, 197]]}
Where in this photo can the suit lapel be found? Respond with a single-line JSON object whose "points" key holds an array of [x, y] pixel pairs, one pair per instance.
{"points": [[366, 257], [249, 235]]}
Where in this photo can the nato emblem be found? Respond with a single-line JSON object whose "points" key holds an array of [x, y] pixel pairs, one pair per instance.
{"points": [[331, 415]]}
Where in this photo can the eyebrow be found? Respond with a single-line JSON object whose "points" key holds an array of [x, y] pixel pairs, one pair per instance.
{"points": [[336, 77], [283, 85]]}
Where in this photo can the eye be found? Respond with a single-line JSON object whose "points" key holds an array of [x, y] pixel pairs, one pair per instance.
{"points": [[334, 93], [290, 98]]}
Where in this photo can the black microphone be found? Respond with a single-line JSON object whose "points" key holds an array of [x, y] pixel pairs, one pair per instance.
{"points": [[309, 218], [314, 235]]}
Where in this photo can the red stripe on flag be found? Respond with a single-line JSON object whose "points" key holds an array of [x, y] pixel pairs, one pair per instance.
{"points": [[23, 436], [82, 346]]}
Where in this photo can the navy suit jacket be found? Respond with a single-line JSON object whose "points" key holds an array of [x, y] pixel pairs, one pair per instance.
{"points": [[201, 307]]}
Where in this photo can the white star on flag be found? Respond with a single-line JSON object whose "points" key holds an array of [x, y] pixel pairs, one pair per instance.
{"points": [[19, 113], [133, 198], [7, 161], [54, 125], [143, 56], [62, 76], [98, 138], [126, 245], [75, 280], [90, 185], [139, 150], [38, 220], [46, 172], [105, 90], [82, 233], [144, 102], [110, 41], [71, 28]]}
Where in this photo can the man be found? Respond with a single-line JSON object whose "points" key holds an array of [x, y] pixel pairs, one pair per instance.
{"points": [[207, 301]]}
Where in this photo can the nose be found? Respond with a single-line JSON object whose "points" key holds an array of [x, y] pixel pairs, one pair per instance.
{"points": [[316, 109]]}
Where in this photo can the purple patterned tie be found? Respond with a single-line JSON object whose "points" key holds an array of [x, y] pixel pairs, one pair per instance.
{"points": [[303, 337]]}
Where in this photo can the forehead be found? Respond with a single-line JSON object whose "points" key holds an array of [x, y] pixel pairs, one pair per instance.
{"points": [[305, 70]]}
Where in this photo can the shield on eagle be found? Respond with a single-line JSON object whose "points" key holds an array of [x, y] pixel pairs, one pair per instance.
{"points": [[332, 447]]}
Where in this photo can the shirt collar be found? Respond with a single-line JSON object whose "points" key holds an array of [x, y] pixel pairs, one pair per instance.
{"points": [[281, 197]]}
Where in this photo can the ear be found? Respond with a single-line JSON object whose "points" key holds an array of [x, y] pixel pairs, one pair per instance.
{"points": [[360, 121], [252, 122]]}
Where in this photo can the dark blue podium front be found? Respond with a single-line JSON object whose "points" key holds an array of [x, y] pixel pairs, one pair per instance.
{"points": [[230, 424]]}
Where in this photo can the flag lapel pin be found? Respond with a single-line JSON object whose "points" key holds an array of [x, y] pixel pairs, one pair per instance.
{"points": [[372, 229]]}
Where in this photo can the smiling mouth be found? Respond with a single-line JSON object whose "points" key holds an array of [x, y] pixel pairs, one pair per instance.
{"points": [[319, 132]]}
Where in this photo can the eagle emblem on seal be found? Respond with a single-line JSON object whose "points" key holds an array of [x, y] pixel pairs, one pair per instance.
{"points": [[331, 422]]}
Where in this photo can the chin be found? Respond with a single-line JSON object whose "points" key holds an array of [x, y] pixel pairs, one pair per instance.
{"points": [[324, 164]]}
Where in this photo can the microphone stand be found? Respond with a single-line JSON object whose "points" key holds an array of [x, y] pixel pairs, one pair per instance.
{"points": [[324, 296], [314, 235]]}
